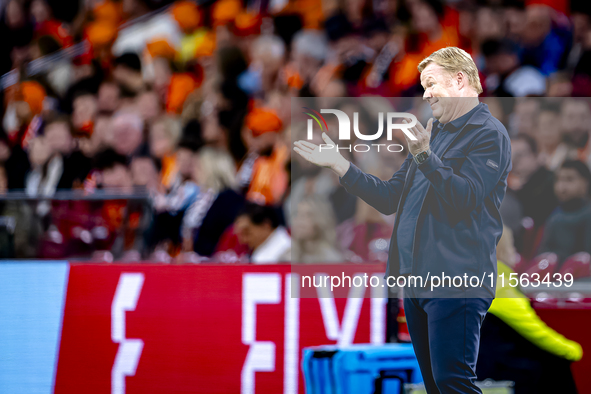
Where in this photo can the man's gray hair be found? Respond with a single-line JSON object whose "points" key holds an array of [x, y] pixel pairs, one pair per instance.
{"points": [[454, 60]]}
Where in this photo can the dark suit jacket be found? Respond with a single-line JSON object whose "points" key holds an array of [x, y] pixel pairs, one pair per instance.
{"points": [[459, 224]]}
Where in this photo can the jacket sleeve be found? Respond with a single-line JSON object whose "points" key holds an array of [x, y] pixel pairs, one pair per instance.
{"points": [[382, 195], [486, 162], [518, 314]]}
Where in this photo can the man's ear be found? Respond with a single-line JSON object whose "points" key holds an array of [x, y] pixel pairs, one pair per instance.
{"points": [[460, 79]]}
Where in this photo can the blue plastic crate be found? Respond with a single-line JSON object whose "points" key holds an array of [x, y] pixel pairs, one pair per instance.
{"points": [[360, 369], [317, 365]]}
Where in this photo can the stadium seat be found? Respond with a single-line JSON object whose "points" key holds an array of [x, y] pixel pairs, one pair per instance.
{"points": [[578, 265], [545, 263]]}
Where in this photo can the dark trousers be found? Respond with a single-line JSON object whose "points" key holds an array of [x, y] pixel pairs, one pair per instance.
{"points": [[445, 334]]}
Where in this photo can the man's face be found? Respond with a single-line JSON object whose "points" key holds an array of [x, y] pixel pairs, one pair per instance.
{"points": [[526, 111], [424, 19], [59, 138], [103, 130], [581, 24], [537, 24], [143, 172], [160, 141], [108, 97], [263, 144], [117, 177], [575, 119], [251, 234], [523, 159], [85, 109], [149, 105], [127, 136], [569, 185], [439, 87], [39, 151]]}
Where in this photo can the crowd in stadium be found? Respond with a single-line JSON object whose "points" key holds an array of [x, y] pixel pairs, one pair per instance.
{"points": [[191, 103]]}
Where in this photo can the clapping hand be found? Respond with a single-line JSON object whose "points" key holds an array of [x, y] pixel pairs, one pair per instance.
{"points": [[423, 137], [326, 155]]}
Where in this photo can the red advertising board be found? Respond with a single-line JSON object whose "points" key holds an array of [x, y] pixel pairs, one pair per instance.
{"points": [[146, 328]]}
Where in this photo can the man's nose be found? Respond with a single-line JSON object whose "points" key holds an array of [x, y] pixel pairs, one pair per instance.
{"points": [[427, 94]]}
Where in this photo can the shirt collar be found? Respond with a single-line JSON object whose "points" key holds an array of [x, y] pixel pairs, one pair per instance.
{"points": [[475, 116]]}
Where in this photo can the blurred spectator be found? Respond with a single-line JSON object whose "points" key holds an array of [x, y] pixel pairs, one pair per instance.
{"points": [[514, 15], [66, 167], [118, 224], [314, 233], [560, 85], [149, 105], [524, 117], [101, 137], [568, 229], [18, 33], [165, 133], [108, 97], [507, 77], [265, 172], [531, 181], [267, 54], [41, 179], [576, 126], [128, 133], [170, 207], [546, 42], [433, 26], [530, 196], [488, 25], [114, 171], [309, 50], [516, 345], [217, 205], [257, 226], [581, 25], [22, 118], [145, 172], [127, 72]]}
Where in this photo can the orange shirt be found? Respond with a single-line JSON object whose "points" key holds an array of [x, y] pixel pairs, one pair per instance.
{"points": [[404, 74], [269, 177], [169, 170]]}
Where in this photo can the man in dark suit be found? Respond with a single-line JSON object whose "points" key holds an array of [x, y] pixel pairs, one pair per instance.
{"points": [[447, 195]]}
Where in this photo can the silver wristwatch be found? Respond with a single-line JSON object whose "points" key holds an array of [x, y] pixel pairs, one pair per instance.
{"points": [[421, 157]]}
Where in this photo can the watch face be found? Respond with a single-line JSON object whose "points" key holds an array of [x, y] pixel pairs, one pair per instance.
{"points": [[421, 157]]}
